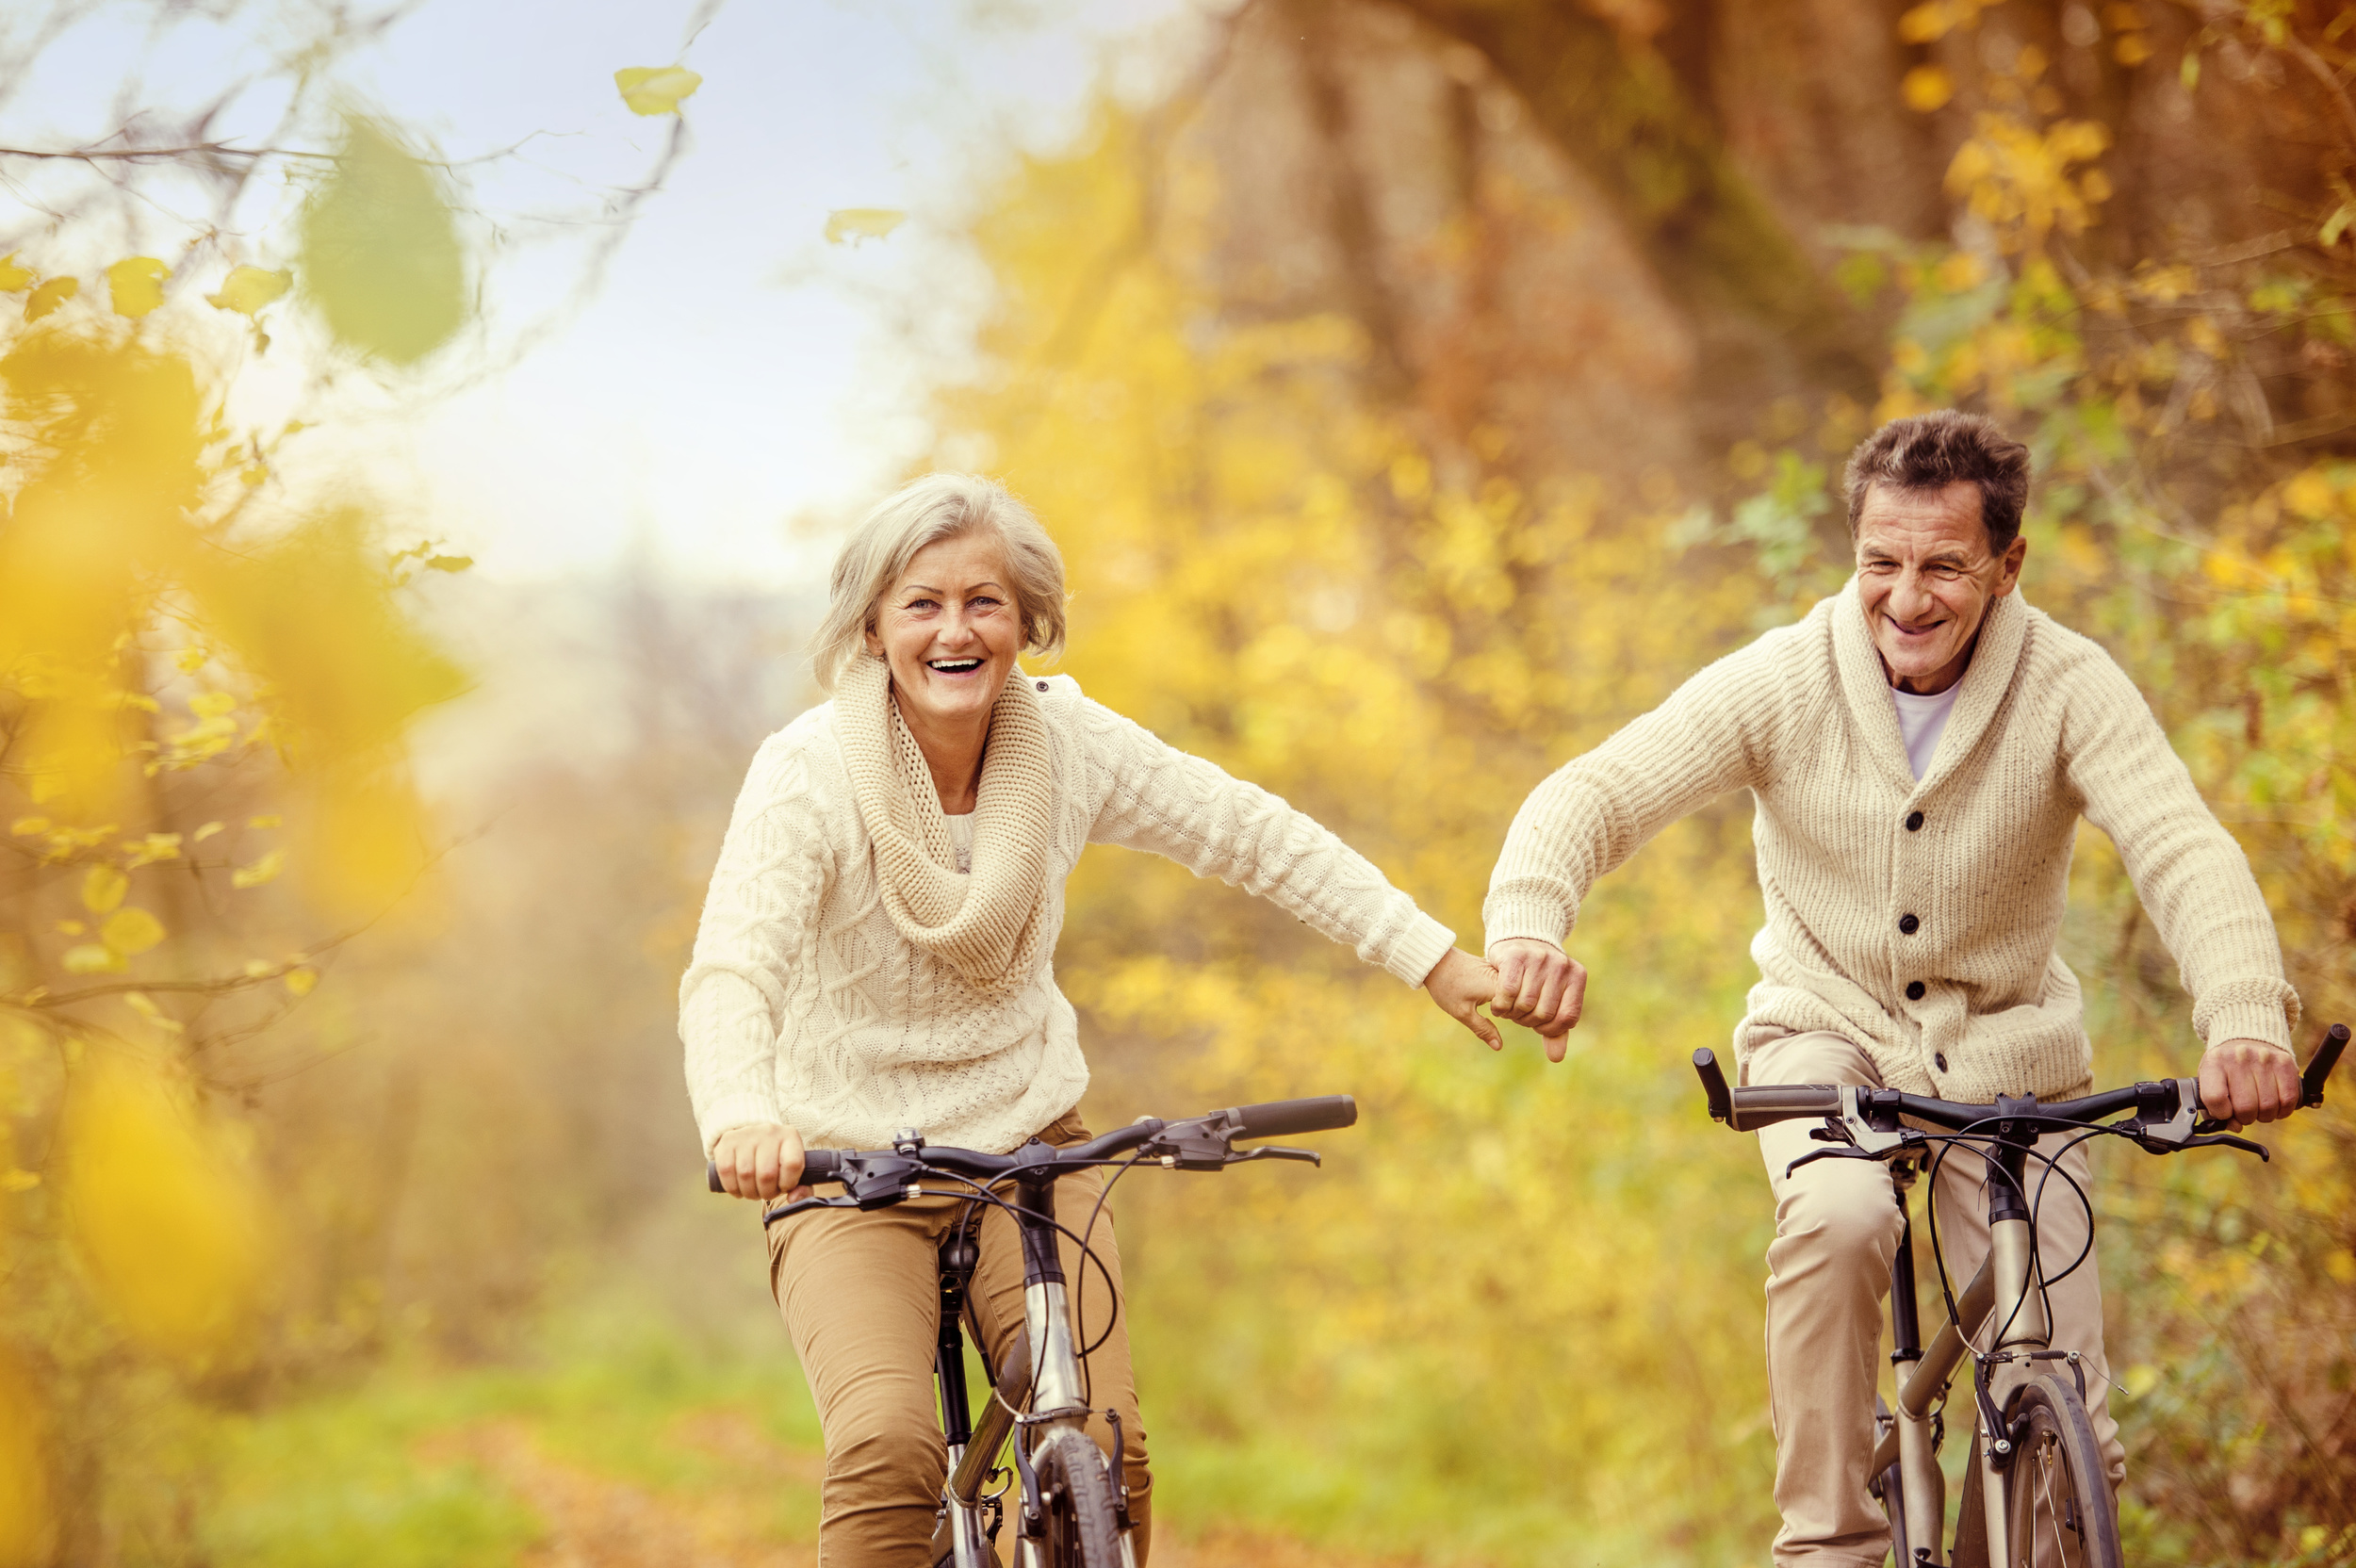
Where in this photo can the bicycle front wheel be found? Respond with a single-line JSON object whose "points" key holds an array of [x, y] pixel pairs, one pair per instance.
{"points": [[2058, 1502], [1077, 1491]]}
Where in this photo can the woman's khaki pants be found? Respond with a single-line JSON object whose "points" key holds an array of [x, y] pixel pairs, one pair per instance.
{"points": [[1836, 1232], [861, 1293]]}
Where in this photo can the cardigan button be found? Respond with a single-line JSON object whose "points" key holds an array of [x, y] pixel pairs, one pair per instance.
{"points": [[1914, 990], [1908, 925], [1914, 822], [1941, 1057], [1043, 685]]}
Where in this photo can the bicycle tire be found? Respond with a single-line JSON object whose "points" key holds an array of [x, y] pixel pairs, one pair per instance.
{"points": [[2057, 1491], [1077, 1491]]}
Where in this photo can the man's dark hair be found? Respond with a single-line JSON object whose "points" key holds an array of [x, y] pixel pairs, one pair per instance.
{"points": [[1931, 452]]}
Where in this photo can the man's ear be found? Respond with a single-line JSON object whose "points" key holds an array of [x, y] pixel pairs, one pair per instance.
{"points": [[2015, 553]]}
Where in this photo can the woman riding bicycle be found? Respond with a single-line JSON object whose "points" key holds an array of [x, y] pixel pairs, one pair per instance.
{"points": [[876, 954]]}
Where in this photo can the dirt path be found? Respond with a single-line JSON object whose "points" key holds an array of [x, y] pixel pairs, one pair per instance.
{"points": [[594, 1521]]}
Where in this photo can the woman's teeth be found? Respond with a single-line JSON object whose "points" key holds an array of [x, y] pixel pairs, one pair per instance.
{"points": [[955, 666]]}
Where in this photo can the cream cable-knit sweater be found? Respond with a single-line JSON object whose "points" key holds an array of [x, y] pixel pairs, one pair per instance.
{"points": [[805, 1004], [1917, 918]]}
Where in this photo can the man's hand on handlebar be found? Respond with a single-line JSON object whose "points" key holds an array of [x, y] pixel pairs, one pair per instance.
{"points": [[2245, 1081], [763, 1161], [1541, 986]]}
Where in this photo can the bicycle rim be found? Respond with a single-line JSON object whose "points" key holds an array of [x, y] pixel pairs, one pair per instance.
{"points": [[1077, 1494], [2058, 1507]]}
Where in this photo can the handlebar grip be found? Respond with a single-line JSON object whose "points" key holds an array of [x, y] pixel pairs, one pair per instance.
{"points": [[1713, 1085], [1278, 1117], [2327, 1057], [1767, 1104], [818, 1164]]}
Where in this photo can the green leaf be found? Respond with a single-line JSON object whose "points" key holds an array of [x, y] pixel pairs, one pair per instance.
{"points": [[381, 255]]}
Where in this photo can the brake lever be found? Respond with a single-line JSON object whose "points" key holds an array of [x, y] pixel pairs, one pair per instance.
{"points": [[1843, 1154], [2228, 1141], [801, 1206], [1274, 1152]]}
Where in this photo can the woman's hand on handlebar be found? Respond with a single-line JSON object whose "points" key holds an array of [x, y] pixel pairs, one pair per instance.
{"points": [[2247, 1080], [1541, 986], [763, 1161], [1459, 985]]}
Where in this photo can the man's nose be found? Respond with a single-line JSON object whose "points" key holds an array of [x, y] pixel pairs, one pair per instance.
{"points": [[1911, 598]]}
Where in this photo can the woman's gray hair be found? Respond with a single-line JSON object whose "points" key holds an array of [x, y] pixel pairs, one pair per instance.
{"points": [[924, 512]]}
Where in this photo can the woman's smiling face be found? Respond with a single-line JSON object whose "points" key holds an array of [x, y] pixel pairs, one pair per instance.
{"points": [[950, 629]]}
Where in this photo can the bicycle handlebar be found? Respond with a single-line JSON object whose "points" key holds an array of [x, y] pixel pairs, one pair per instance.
{"points": [[1193, 1143], [1748, 1109]]}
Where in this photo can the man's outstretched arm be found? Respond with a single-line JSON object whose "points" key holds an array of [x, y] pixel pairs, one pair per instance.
{"points": [[1596, 810]]}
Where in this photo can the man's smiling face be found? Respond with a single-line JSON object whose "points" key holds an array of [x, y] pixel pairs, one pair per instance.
{"points": [[1926, 578]]}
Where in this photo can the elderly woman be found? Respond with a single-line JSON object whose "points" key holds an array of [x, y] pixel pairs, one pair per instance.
{"points": [[876, 954]]}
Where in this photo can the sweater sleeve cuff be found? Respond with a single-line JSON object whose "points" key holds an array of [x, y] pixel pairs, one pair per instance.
{"points": [[2250, 1020], [737, 1110], [1508, 916], [1419, 948]]}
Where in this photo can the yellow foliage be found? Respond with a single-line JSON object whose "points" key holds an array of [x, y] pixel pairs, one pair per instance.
{"points": [[131, 932], [28, 1532], [2020, 181], [656, 89], [49, 296], [103, 888], [264, 869], [14, 276], [1927, 87], [135, 284], [859, 224], [168, 1222], [247, 289]]}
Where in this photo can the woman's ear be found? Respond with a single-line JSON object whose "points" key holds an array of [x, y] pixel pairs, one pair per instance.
{"points": [[875, 644]]}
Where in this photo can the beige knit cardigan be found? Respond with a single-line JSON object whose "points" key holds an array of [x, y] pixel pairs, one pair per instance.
{"points": [[1917, 918], [804, 1004]]}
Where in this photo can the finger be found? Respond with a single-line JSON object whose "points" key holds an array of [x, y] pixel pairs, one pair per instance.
{"points": [[2275, 1099], [2215, 1094], [1509, 982], [1470, 1018], [747, 1171], [790, 1161], [1533, 986], [766, 1167], [1550, 996], [1574, 996], [1558, 1044]]}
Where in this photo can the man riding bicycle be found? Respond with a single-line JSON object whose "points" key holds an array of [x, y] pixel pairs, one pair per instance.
{"points": [[1920, 748]]}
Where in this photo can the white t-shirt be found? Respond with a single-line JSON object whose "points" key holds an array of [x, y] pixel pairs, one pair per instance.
{"points": [[961, 837], [1920, 720]]}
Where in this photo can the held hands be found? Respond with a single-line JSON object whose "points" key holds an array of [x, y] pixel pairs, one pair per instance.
{"points": [[1541, 986], [2245, 1081], [1460, 984], [764, 1161]]}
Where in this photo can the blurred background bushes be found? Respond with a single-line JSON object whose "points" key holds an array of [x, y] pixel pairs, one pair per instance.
{"points": [[1419, 390]]}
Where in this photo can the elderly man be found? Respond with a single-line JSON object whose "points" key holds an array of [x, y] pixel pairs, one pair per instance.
{"points": [[1921, 748]]}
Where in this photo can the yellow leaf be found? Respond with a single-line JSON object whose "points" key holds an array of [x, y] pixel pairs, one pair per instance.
{"points": [[49, 296], [261, 871], [204, 832], [256, 969], [1926, 88], [1925, 24], [247, 289], [14, 278], [90, 958], [268, 819], [103, 890], [2133, 50], [135, 284], [657, 88], [301, 981], [212, 704], [24, 825], [71, 927], [19, 1180], [449, 562], [165, 1217], [131, 931], [2310, 493], [858, 224]]}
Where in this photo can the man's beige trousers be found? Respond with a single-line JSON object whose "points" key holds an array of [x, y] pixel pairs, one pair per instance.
{"points": [[1836, 1232], [861, 1293]]}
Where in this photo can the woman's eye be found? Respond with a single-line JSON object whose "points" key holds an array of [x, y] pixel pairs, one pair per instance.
{"points": [[983, 601], [922, 604]]}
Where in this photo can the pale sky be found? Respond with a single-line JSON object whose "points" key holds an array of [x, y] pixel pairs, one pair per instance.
{"points": [[735, 371]]}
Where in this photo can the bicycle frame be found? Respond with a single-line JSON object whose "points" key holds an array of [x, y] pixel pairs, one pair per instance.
{"points": [[1051, 1379], [2004, 1292]]}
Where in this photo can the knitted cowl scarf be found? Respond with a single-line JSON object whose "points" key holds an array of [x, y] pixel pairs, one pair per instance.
{"points": [[985, 925]]}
